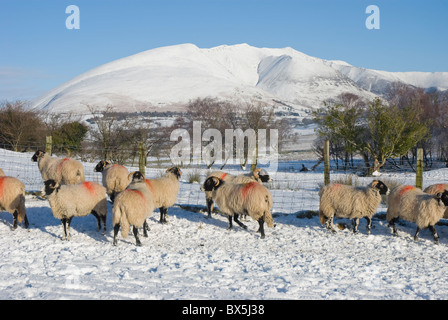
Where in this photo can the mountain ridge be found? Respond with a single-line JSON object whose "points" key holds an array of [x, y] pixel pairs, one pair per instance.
{"points": [[167, 78]]}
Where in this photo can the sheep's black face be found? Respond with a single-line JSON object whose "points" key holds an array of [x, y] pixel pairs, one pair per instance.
{"points": [[212, 183], [37, 155], [444, 198], [100, 166], [50, 186], [138, 176], [381, 187], [176, 171]]}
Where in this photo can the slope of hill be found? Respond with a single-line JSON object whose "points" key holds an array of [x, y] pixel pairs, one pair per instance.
{"points": [[167, 78]]}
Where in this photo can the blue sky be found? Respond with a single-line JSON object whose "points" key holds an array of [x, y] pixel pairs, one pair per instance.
{"points": [[38, 52]]}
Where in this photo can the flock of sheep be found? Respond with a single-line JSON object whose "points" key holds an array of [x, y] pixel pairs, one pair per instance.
{"points": [[134, 198]]}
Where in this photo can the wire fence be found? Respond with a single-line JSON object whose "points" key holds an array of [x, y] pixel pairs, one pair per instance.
{"points": [[293, 190]]}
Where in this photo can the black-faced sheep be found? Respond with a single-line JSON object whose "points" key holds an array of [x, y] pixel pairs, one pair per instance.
{"points": [[131, 207], [258, 175], [435, 189], [414, 205], [77, 200], [114, 177], [12, 199], [350, 202], [164, 191], [63, 171], [234, 199]]}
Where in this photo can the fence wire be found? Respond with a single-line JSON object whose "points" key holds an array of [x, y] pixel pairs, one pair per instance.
{"points": [[292, 190]]}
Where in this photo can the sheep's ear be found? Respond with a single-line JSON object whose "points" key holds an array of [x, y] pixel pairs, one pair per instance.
{"points": [[438, 195], [130, 175], [374, 183], [107, 161], [168, 170]]}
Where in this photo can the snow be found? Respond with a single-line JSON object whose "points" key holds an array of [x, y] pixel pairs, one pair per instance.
{"points": [[193, 257]]}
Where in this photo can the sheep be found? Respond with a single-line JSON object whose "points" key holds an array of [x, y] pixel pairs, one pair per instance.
{"points": [[350, 202], [259, 175], [164, 191], [76, 200], [131, 207], [63, 171], [12, 199], [234, 199], [435, 189], [115, 177], [414, 205]]}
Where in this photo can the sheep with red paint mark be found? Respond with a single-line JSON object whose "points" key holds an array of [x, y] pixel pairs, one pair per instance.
{"points": [[164, 191], [76, 200], [234, 199], [12, 199], [258, 175], [63, 171], [115, 177], [414, 205], [131, 208], [343, 201], [435, 189]]}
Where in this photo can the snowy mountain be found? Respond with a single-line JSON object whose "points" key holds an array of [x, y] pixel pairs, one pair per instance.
{"points": [[167, 78]]}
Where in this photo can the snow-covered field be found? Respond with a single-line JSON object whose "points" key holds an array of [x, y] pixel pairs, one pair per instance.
{"points": [[193, 257]]}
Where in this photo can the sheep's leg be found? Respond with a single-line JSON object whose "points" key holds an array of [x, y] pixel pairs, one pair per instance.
{"points": [[416, 234], [230, 223], [235, 218], [14, 220], [137, 239], [394, 227], [355, 225], [66, 228], [145, 229], [261, 227], [209, 207], [163, 213], [434, 234], [98, 221], [369, 224], [116, 228], [69, 221], [26, 222], [329, 225]]}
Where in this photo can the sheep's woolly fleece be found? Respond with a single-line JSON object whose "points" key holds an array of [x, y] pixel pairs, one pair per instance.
{"points": [[193, 257]]}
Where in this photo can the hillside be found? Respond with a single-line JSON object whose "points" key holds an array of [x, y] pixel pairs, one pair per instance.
{"points": [[167, 78]]}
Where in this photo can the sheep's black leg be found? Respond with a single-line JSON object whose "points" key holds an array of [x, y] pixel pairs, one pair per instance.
{"points": [[26, 223], [145, 229], [416, 234], [68, 222], [116, 228], [434, 234], [163, 213], [261, 228], [230, 223], [392, 224], [369, 224], [98, 221], [14, 220], [64, 228], [329, 225], [235, 218], [209, 207], [355, 225], [137, 239]]}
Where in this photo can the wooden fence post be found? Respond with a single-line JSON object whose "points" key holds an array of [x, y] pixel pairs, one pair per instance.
{"points": [[419, 175], [326, 162], [48, 144], [141, 157]]}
